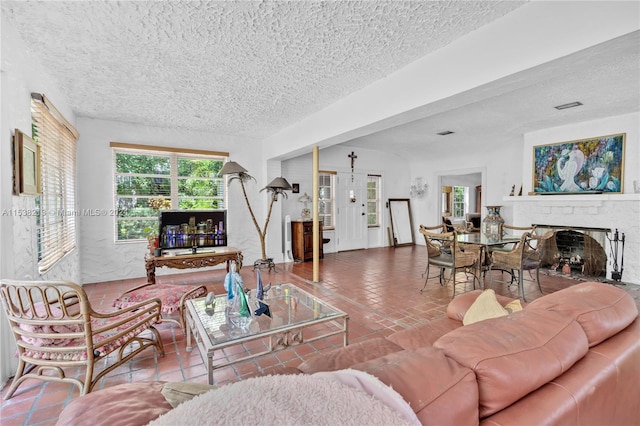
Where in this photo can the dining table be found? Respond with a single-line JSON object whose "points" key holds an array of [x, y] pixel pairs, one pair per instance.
{"points": [[485, 245]]}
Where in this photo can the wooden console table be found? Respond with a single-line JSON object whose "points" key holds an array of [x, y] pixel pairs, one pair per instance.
{"points": [[192, 260]]}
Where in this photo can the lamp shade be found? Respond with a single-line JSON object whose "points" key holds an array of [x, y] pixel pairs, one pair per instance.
{"points": [[304, 198], [230, 168], [279, 184]]}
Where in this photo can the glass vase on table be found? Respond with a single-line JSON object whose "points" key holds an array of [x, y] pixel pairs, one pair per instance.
{"points": [[492, 223]]}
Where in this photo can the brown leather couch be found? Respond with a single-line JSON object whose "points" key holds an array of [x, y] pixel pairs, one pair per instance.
{"points": [[570, 357]]}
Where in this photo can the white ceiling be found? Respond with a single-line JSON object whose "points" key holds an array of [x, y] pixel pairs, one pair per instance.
{"points": [[251, 68]]}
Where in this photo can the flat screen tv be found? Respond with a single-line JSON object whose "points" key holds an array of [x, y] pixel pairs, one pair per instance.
{"points": [[192, 228]]}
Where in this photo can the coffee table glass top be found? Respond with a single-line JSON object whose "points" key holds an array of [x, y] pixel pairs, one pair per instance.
{"points": [[290, 308]]}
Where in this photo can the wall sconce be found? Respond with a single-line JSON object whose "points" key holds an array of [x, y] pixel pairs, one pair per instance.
{"points": [[418, 189]]}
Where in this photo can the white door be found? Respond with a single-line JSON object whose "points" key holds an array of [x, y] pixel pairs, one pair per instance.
{"points": [[352, 211]]}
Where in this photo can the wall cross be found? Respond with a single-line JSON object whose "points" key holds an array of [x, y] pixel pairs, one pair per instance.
{"points": [[353, 157]]}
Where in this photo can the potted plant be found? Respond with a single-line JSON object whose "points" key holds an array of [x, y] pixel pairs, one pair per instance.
{"points": [[152, 238], [156, 203]]}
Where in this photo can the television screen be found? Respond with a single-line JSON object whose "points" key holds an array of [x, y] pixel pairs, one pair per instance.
{"points": [[192, 228]]}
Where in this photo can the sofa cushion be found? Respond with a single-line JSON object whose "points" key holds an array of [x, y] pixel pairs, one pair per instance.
{"points": [[459, 305], [515, 354], [602, 310], [598, 390], [438, 389], [486, 306], [345, 357], [424, 334]]}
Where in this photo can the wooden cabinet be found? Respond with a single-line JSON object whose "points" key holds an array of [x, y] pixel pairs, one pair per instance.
{"points": [[302, 240]]}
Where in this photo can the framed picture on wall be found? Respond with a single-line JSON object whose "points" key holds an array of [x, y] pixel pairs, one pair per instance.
{"points": [[592, 165], [26, 165]]}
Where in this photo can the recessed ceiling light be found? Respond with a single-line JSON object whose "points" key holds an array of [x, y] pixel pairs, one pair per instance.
{"points": [[570, 105], [446, 132]]}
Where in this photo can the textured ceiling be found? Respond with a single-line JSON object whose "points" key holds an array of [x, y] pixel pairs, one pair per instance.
{"points": [[605, 78], [252, 68], [244, 68]]}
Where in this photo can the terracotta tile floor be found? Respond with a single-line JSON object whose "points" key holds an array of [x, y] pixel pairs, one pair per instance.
{"points": [[378, 288]]}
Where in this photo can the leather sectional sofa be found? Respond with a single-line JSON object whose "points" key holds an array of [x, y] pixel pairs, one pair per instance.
{"points": [[570, 357]]}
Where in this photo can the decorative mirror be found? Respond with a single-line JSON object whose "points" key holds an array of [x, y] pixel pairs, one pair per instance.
{"points": [[447, 201], [401, 222]]}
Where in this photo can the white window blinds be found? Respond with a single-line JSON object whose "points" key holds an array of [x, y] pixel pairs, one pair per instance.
{"points": [[57, 202]]}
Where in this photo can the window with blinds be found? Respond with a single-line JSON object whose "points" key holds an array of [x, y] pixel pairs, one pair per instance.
{"points": [[149, 179], [57, 201], [326, 199]]}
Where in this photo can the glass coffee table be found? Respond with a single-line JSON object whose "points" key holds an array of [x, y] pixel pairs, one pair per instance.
{"points": [[293, 311]]}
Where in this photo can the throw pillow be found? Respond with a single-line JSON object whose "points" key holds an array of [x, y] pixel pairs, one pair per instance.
{"points": [[178, 392], [513, 306], [485, 306]]}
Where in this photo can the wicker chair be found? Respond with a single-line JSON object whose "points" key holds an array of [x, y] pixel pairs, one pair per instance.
{"points": [[434, 248], [54, 327], [514, 231], [524, 256], [454, 261]]}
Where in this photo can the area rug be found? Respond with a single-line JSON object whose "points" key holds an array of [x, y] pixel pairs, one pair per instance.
{"points": [[348, 397]]}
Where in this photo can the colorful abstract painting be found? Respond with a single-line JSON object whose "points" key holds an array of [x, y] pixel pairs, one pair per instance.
{"points": [[582, 166]]}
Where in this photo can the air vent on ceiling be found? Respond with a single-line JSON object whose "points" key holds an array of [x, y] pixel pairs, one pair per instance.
{"points": [[569, 105], [446, 132]]}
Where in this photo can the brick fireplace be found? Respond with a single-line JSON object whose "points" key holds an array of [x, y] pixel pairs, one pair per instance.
{"points": [[593, 215]]}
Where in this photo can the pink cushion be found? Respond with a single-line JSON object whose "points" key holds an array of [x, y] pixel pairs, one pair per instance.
{"points": [[51, 329], [77, 348], [126, 404], [345, 357], [169, 295], [515, 354], [439, 390], [602, 310], [424, 334], [459, 306]]}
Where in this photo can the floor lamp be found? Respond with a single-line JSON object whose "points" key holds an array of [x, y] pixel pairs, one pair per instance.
{"points": [[275, 188]]}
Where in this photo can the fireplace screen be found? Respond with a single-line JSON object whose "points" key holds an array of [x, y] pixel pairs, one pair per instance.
{"points": [[580, 249]]}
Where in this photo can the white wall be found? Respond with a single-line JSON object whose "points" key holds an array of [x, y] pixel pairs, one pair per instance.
{"points": [[102, 258], [396, 179], [21, 74]]}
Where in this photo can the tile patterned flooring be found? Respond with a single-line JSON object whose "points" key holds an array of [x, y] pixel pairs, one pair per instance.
{"points": [[378, 288]]}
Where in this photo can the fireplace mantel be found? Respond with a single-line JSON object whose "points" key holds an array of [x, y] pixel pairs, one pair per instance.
{"points": [[607, 211]]}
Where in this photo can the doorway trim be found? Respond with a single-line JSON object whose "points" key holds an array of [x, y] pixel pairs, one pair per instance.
{"points": [[442, 174]]}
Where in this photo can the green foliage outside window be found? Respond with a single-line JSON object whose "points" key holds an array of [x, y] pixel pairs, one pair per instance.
{"points": [[459, 201], [188, 182]]}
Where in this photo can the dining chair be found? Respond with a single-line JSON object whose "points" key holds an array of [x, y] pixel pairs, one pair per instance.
{"points": [[434, 248], [455, 260], [55, 329], [524, 256]]}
